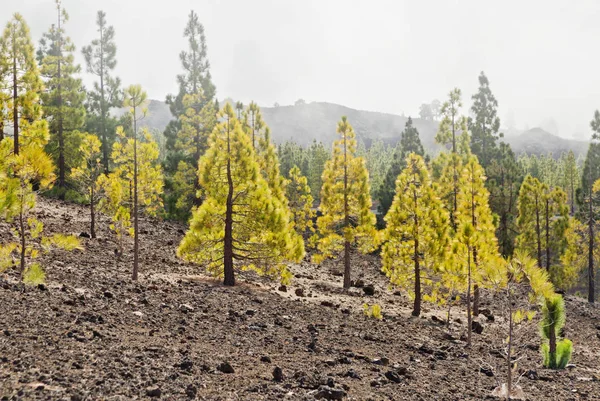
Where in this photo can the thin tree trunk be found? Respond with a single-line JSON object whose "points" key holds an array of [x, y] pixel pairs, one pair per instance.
{"points": [[509, 350], [591, 280], [105, 159], [229, 277], [552, 345], [538, 233], [22, 227], [135, 202], [469, 316], [417, 302], [92, 213], [548, 235], [346, 220]]}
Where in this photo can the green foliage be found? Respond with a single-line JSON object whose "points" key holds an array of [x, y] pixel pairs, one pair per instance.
{"points": [[300, 202], [63, 98], [556, 352], [19, 72], [100, 60], [543, 221], [416, 233], [485, 124], [453, 132], [346, 218], [240, 219], [317, 157], [409, 143], [88, 171], [34, 274], [377, 158], [372, 311], [504, 182]]}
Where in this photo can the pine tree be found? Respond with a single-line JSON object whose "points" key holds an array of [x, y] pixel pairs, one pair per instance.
{"points": [[475, 240], [504, 181], [195, 79], [416, 232], [268, 162], [100, 59], [290, 155], [452, 133], [196, 124], [542, 222], [409, 143], [300, 201], [345, 202], [253, 123], [18, 196], [87, 173], [64, 95], [485, 125], [239, 219], [556, 351], [21, 75], [377, 157], [570, 178], [317, 157]]}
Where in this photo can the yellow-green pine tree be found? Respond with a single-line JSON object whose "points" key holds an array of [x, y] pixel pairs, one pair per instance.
{"points": [[416, 235], [345, 202], [197, 122], [87, 173], [18, 197], [21, 76], [239, 219], [542, 222], [475, 245], [300, 201]]}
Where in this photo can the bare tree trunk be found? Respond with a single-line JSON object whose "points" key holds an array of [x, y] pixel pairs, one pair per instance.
{"points": [[92, 213], [136, 233], [548, 235], [346, 220], [591, 279], [469, 316], [509, 350], [22, 228], [552, 345], [229, 277], [538, 233], [61, 139]]}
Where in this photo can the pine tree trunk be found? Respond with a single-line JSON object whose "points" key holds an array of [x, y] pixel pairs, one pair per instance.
{"points": [[61, 139], [417, 302], [552, 345], [509, 350], [92, 213], [476, 297], [229, 277], [22, 233], [548, 235], [103, 105], [469, 316], [538, 233], [346, 222], [135, 203], [591, 280]]}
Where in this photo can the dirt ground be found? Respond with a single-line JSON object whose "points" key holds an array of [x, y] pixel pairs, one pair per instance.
{"points": [[92, 334]]}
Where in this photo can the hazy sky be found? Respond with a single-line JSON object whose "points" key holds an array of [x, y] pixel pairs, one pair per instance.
{"points": [[541, 56]]}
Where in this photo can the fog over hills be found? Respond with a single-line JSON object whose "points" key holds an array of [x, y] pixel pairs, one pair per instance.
{"points": [[303, 123]]}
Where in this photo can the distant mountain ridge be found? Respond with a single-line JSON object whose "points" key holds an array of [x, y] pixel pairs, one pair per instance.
{"points": [[304, 123]]}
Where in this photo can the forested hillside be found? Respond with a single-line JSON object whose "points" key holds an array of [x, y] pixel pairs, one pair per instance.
{"points": [[219, 250]]}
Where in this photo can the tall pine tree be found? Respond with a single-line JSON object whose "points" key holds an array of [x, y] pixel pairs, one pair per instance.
{"points": [[100, 60], [345, 202], [239, 219], [410, 142], [416, 234], [21, 76], [485, 124], [63, 98]]}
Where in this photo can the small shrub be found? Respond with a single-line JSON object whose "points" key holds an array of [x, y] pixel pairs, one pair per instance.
{"points": [[556, 352], [373, 311], [34, 274]]}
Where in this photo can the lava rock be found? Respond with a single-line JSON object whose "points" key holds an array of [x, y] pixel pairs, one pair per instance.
{"points": [[83, 234], [191, 391], [282, 288], [477, 327], [330, 393], [153, 391], [486, 371], [185, 308], [225, 367], [299, 292], [108, 295], [381, 361], [393, 376], [277, 374], [488, 314], [265, 359], [369, 290]]}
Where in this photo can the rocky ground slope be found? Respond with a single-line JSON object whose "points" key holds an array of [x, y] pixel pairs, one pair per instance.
{"points": [[92, 334]]}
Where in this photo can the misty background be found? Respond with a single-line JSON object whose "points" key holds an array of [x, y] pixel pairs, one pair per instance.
{"points": [[390, 56]]}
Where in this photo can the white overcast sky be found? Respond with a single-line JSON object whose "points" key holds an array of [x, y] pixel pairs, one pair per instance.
{"points": [[541, 56]]}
